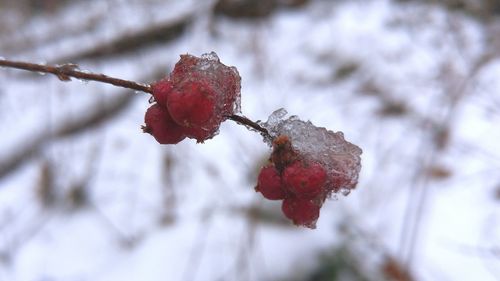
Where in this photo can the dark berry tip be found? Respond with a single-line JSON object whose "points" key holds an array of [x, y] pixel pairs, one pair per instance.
{"points": [[146, 129]]}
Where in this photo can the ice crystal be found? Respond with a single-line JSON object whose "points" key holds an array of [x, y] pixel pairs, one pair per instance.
{"points": [[340, 158]]}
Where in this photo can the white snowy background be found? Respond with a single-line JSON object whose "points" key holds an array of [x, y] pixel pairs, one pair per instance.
{"points": [[415, 84]]}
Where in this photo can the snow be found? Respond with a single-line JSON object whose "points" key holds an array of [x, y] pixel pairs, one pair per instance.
{"points": [[183, 212]]}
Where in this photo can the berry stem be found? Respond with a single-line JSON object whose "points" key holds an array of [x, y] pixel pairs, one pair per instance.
{"points": [[247, 122], [66, 71]]}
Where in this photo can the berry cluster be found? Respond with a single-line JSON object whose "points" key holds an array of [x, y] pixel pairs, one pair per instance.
{"points": [[194, 100], [307, 165], [298, 182]]}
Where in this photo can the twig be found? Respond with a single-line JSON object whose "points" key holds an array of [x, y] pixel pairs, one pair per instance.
{"points": [[247, 122], [66, 71]]}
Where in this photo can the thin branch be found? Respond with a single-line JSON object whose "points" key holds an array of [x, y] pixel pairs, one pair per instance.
{"points": [[67, 71], [249, 123], [70, 127]]}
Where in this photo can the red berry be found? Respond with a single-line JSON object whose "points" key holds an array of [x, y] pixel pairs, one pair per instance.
{"points": [[301, 211], [161, 90], [269, 183], [224, 80], [304, 179], [183, 67], [192, 104], [339, 181], [199, 94], [229, 84], [161, 126]]}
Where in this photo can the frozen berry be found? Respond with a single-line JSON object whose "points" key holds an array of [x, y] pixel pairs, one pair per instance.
{"points": [[192, 104], [269, 183], [183, 67], [229, 83], [339, 158], [305, 179], [199, 94], [303, 212], [224, 80], [231, 102], [161, 126], [339, 181], [161, 90]]}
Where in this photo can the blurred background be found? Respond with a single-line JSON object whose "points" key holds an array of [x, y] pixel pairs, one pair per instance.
{"points": [[85, 195]]}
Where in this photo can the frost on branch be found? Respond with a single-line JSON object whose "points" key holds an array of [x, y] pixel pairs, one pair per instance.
{"points": [[198, 95], [313, 164]]}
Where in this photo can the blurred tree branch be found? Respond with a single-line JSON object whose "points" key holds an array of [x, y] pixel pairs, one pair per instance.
{"points": [[132, 41], [88, 121], [67, 71]]}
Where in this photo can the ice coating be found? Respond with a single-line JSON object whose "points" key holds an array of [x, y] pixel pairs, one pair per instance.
{"points": [[199, 94], [340, 158], [225, 80]]}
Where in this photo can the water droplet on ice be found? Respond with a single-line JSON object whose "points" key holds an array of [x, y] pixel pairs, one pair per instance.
{"points": [[345, 191]]}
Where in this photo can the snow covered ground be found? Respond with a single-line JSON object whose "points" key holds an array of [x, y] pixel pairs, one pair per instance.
{"points": [[414, 85]]}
